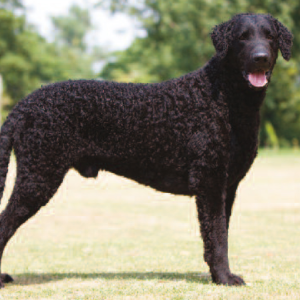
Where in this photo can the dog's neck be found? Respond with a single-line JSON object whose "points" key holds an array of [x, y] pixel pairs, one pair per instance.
{"points": [[229, 86], [228, 79]]}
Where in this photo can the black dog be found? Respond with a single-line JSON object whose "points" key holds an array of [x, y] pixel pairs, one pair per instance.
{"points": [[195, 135]]}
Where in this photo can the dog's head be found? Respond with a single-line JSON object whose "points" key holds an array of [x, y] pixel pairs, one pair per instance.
{"points": [[253, 41]]}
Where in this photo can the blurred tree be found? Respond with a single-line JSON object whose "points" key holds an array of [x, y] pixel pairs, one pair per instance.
{"points": [[27, 60], [11, 4], [72, 29], [70, 34], [20, 55], [178, 41]]}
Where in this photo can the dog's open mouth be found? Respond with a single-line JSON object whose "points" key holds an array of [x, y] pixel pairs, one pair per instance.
{"points": [[258, 79]]}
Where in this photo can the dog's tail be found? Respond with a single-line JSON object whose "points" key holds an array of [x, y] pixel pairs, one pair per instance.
{"points": [[6, 144]]}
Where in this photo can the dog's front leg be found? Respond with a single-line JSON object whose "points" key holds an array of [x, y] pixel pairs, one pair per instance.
{"points": [[209, 184]]}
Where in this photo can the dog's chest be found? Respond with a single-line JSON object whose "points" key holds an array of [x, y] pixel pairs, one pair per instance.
{"points": [[242, 154]]}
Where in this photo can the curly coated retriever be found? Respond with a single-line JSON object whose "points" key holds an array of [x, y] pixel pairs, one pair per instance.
{"points": [[195, 135]]}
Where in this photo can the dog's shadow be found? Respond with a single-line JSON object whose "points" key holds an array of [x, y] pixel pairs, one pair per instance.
{"points": [[39, 278]]}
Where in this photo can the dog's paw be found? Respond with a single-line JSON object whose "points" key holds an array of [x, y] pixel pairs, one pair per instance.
{"points": [[229, 279], [5, 278], [235, 280]]}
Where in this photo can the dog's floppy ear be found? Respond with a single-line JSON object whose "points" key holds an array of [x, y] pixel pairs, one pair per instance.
{"points": [[285, 39], [221, 37]]}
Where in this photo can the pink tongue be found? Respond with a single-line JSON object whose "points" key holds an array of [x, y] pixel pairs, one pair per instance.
{"points": [[258, 79]]}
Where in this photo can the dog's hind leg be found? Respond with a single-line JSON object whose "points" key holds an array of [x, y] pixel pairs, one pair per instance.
{"points": [[31, 192]]}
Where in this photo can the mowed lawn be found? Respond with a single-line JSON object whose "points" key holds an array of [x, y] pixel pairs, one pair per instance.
{"points": [[111, 238]]}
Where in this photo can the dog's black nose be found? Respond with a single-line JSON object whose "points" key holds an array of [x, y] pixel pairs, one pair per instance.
{"points": [[260, 57]]}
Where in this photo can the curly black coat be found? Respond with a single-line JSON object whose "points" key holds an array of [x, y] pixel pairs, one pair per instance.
{"points": [[194, 135]]}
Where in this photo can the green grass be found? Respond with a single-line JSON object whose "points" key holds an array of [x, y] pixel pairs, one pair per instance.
{"points": [[113, 239]]}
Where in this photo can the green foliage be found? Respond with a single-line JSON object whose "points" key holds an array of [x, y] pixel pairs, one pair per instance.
{"points": [[72, 29], [272, 139], [27, 60], [177, 37], [17, 54], [178, 41], [282, 104], [11, 4]]}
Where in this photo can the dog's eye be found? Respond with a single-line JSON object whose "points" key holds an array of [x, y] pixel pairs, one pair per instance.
{"points": [[269, 35], [244, 36]]}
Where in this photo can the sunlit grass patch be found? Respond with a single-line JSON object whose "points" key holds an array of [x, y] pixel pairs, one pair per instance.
{"points": [[113, 239]]}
